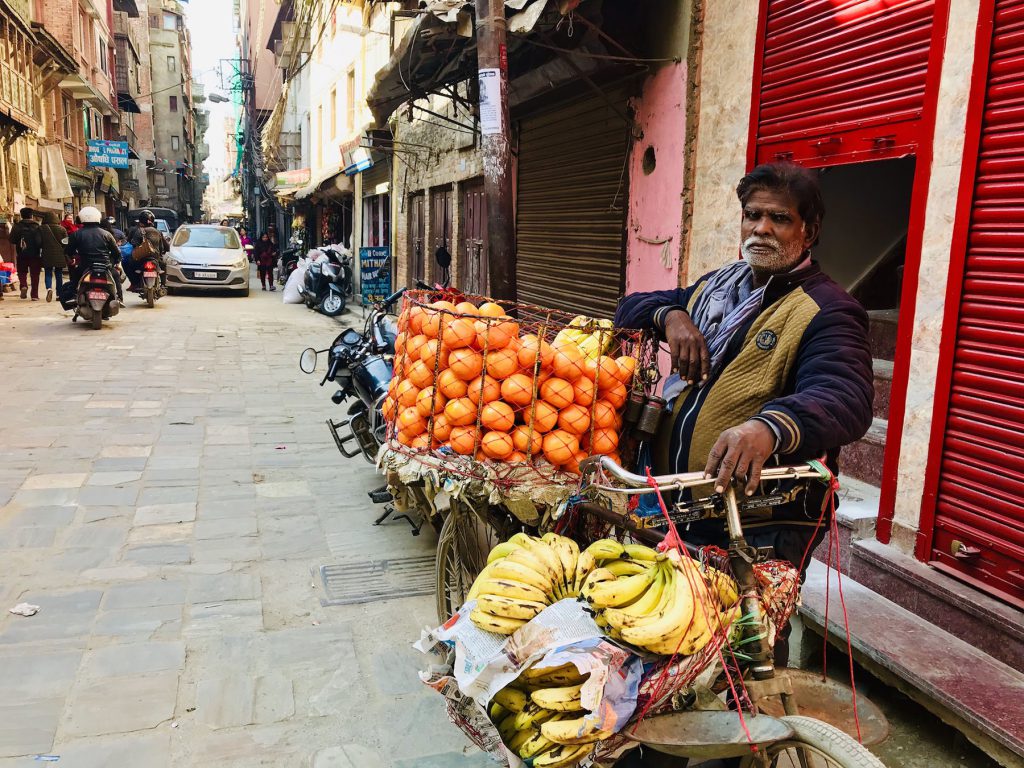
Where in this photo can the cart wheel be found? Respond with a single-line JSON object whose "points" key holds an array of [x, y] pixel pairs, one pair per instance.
{"points": [[462, 550]]}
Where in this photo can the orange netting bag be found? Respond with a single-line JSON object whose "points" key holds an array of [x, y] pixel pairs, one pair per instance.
{"points": [[524, 391]]}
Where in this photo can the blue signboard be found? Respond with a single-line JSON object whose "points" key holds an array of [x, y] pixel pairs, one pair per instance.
{"points": [[371, 261], [107, 154]]}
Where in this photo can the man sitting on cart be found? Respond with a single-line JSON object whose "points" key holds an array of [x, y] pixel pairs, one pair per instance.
{"points": [[773, 362]]}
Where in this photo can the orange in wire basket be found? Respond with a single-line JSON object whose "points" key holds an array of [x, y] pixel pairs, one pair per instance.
{"points": [[495, 335], [615, 395], [530, 347], [460, 412], [420, 375], [459, 332], [604, 441], [435, 318], [466, 308], [524, 442], [627, 367], [414, 346], [545, 416], [516, 458], [442, 429], [429, 355], [558, 392], [416, 317], [568, 362], [608, 373], [465, 363], [486, 387], [429, 401], [584, 391], [560, 447], [496, 445], [517, 389], [406, 393], [491, 309], [463, 440], [604, 414], [450, 385], [420, 442], [389, 408], [502, 363], [411, 421], [574, 419], [498, 416], [573, 465], [405, 439]]}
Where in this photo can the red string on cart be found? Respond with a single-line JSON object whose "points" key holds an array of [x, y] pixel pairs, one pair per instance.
{"points": [[672, 540]]}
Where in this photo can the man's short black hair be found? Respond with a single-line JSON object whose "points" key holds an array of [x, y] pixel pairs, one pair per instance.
{"points": [[791, 179], [27, 213]]}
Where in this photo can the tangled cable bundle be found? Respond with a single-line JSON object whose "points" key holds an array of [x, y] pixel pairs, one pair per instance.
{"points": [[524, 393]]}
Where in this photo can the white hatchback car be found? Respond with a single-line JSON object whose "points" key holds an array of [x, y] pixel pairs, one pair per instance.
{"points": [[207, 256]]}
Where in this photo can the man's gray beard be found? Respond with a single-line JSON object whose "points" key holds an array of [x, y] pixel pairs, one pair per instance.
{"points": [[782, 260]]}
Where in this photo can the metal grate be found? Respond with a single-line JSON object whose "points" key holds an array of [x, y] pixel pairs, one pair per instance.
{"points": [[367, 580]]}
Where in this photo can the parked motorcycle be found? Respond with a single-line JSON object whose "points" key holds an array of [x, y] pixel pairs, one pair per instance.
{"points": [[361, 365], [151, 287], [328, 282], [289, 263], [96, 296]]}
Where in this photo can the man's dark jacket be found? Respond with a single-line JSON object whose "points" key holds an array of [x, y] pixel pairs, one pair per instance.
{"points": [[28, 230], [802, 364], [93, 245]]}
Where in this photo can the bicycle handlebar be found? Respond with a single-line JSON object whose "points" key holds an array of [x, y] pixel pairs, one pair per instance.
{"points": [[638, 484]]}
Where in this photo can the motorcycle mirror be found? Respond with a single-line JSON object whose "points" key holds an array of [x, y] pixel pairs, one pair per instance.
{"points": [[307, 360]]}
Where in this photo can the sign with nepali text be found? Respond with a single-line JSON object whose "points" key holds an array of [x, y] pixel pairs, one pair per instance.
{"points": [[107, 154], [375, 273]]}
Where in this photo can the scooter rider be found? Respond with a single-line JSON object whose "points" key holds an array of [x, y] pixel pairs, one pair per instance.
{"points": [[136, 232], [145, 231], [90, 245]]}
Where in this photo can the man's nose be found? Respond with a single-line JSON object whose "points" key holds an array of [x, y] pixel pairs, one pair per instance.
{"points": [[763, 226]]}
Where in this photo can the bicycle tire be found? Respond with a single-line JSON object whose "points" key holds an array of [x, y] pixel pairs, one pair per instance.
{"points": [[462, 549], [821, 741], [448, 571]]}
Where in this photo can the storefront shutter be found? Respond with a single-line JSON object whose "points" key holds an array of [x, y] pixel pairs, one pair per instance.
{"points": [[571, 206], [842, 81], [981, 485]]}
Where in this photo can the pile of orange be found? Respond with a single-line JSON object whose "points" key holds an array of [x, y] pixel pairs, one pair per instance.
{"points": [[466, 378]]}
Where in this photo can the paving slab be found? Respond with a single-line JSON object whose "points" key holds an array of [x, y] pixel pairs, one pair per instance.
{"points": [[161, 514], [61, 616], [120, 704], [51, 481], [28, 726], [133, 659], [31, 673], [136, 622], [146, 750], [223, 588], [226, 702], [145, 594], [159, 554]]}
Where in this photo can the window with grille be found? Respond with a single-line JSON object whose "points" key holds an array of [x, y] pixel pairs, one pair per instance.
{"points": [[173, 101]]}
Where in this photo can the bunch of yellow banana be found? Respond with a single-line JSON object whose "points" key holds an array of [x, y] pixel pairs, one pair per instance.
{"points": [[671, 607], [526, 574], [540, 717], [593, 337]]}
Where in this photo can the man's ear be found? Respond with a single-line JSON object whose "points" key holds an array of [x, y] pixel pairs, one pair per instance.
{"points": [[811, 232]]}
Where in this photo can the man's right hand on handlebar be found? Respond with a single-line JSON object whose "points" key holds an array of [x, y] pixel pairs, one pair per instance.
{"points": [[687, 348]]}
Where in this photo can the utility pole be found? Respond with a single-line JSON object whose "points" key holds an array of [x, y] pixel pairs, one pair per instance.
{"points": [[492, 62]]}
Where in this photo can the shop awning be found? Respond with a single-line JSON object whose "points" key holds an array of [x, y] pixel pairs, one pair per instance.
{"points": [[439, 49], [54, 172], [332, 183]]}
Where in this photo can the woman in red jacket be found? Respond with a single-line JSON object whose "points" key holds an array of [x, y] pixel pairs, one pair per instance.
{"points": [[264, 255]]}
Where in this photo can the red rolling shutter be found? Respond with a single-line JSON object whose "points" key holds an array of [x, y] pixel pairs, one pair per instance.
{"points": [[980, 503], [842, 81]]}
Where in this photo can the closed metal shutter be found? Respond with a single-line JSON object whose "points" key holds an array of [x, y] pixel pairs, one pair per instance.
{"points": [[378, 173], [980, 500], [571, 209], [842, 81]]}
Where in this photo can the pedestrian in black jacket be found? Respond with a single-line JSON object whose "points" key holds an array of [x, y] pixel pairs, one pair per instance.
{"points": [[773, 360], [28, 244]]}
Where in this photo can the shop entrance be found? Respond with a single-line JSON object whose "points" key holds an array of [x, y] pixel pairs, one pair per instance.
{"points": [[863, 248]]}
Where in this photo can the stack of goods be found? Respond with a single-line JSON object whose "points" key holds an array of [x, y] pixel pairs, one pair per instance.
{"points": [[658, 603], [543, 390], [541, 717]]}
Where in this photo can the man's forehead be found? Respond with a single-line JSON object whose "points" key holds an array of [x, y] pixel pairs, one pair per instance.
{"points": [[771, 199]]}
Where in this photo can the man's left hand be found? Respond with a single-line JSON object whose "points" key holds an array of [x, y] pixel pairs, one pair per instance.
{"points": [[740, 452]]}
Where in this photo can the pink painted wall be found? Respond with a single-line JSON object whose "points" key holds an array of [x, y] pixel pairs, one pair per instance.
{"points": [[656, 198]]}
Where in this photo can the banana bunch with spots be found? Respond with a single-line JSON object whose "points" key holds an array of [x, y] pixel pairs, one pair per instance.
{"points": [[541, 718], [593, 337], [526, 574], [671, 606]]}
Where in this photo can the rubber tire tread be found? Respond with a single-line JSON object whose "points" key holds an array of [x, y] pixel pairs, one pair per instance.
{"points": [[150, 297], [846, 751], [96, 320]]}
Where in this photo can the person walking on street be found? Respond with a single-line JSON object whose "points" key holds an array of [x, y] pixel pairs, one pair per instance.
{"points": [[28, 243], [6, 249], [265, 261], [68, 223], [247, 244], [54, 259]]}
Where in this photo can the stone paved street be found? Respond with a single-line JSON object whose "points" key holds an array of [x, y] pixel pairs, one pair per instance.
{"points": [[168, 490]]}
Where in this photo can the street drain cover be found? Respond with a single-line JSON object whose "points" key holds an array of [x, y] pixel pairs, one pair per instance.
{"points": [[364, 581]]}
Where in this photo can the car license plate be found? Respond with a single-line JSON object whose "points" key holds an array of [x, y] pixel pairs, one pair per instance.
{"points": [[211, 275], [149, 274], [97, 295]]}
